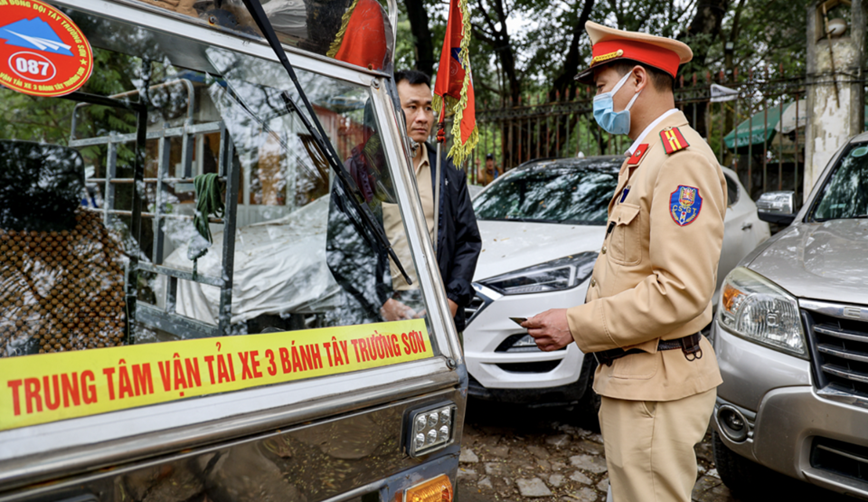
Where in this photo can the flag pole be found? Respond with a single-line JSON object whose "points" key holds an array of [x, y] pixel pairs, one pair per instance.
{"points": [[441, 138]]}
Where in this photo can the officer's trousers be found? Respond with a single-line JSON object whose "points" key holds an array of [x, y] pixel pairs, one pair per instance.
{"points": [[649, 446]]}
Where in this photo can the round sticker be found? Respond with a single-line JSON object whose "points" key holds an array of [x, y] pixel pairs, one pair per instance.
{"points": [[859, 152], [42, 52]]}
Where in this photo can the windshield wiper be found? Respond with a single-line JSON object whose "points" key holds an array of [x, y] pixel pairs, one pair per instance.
{"points": [[316, 130]]}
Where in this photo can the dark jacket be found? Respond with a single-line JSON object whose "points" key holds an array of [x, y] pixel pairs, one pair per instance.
{"points": [[361, 266], [458, 240]]}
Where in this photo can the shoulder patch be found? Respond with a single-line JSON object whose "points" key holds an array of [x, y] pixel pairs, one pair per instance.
{"points": [[673, 140], [684, 205], [637, 155]]}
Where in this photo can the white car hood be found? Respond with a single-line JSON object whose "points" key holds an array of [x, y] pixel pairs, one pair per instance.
{"points": [[511, 245]]}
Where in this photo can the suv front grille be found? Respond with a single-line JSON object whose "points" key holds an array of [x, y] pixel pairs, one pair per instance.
{"points": [[841, 458], [476, 304], [538, 367], [841, 352]]}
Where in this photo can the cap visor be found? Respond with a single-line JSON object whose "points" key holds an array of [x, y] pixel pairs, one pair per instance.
{"points": [[586, 77]]}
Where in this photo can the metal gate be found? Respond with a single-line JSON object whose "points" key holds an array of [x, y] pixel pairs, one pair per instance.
{"points": [[769, 159], [228, 170]]}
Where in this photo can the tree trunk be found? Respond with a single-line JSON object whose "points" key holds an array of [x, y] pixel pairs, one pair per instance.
{"points": [[706, 21], [705, 26], [565, 83], [566, 80], [422, 39]]}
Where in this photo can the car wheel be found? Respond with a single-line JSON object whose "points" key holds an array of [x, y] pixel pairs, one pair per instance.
{"points": [[743, 477]]}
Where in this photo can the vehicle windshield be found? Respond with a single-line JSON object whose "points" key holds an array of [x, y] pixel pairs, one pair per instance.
{"points": [[552, 193], [845, 194], [210, 212]]}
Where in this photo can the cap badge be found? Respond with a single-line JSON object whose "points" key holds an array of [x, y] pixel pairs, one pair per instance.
{"points": [[606, 57]]}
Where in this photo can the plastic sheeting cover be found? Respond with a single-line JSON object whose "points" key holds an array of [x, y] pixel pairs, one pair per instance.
{"points": [[280, 268]]}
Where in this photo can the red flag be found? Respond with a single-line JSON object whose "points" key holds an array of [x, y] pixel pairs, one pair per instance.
{"points": [[361, 39], [454, 85]]}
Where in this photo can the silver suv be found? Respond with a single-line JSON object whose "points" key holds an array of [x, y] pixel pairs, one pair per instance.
{"points": [[791, 335]]}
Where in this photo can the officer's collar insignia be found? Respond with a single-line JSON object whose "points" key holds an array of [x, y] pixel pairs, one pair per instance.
{"points": [[673, 140], [637, 155], [684, 205]]}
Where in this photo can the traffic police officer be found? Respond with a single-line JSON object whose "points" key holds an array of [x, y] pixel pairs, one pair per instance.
{"points": [[651, 289]]}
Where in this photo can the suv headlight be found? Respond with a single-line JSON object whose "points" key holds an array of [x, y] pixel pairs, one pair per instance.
{"points": [[758, 310], [555, 275]]}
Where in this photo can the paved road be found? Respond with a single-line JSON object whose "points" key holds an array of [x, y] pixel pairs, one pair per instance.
{"points": [[512, 453]]}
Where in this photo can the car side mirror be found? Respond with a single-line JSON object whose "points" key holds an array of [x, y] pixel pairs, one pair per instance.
{"points": [[777, 207]]}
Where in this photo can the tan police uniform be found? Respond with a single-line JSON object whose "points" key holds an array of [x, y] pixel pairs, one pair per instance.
{"points": [[654, 280]]}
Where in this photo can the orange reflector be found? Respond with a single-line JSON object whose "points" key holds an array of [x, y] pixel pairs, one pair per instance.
{"points": [[438, 489], [729, 296]]}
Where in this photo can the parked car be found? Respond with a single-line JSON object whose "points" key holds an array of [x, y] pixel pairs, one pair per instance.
{"points": [[542, 225], [791, 335], [473, 190]]}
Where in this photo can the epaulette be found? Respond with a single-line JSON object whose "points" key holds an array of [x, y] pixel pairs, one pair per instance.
{"points": [[673, 140]]}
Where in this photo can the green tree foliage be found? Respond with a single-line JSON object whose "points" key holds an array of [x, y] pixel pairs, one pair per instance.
{"points": [[523, 47], [49, 120]]}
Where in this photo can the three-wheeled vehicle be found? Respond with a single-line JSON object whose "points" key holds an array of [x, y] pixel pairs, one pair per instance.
{"points": [[193, 261]]}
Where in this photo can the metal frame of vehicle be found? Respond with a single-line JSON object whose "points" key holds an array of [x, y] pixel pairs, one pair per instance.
{"points": [[773, 408], [68, 452]]}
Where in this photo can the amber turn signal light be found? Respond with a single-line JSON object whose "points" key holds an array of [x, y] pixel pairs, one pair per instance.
{"points": [[729, 296], [438, 489]]}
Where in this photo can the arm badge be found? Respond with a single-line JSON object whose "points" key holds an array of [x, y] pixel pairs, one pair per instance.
{"points": [[684, 205], [673, 140]]}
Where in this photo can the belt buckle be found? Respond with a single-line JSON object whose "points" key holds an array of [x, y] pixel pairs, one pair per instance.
{"points": [[694, 350]]}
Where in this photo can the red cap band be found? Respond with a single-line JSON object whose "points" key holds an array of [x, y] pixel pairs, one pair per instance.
{"points": [[652, 55]]}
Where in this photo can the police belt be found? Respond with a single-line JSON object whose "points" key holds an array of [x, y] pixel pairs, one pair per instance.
{"points": [[688, 344]]}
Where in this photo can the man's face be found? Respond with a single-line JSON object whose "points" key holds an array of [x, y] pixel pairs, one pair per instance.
{"points": [[489, 164], [606, 78], [416, 103]]}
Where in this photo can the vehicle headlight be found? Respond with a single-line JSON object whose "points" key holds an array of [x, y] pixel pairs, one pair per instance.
{"points": [[756, 309], [555, 275]]}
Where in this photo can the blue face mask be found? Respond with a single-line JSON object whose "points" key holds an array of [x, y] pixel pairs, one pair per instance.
{"points": [[611, 121]]}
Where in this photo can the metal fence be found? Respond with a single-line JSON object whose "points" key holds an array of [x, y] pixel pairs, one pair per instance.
{"points": [[766, 151]]}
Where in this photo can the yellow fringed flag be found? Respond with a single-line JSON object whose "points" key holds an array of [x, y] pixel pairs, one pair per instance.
{"points": [[454, 84]]}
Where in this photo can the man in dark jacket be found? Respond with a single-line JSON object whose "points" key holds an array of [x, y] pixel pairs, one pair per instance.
{"points": [[458, 241]]}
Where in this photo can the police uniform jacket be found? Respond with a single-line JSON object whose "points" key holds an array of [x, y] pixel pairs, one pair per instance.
{"points": [[657, 270]]}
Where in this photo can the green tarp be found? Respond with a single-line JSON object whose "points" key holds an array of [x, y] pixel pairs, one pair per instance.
{"points": [[756, 130]]}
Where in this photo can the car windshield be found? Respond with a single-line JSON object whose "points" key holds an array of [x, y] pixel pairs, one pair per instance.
{"points": [[548, 193], [845, 194]]}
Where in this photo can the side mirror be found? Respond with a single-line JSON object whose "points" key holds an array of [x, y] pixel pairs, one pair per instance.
{"points": [[777, 207]]}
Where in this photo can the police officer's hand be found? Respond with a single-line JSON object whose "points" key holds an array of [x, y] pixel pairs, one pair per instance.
{"points": [[550, 329]]}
